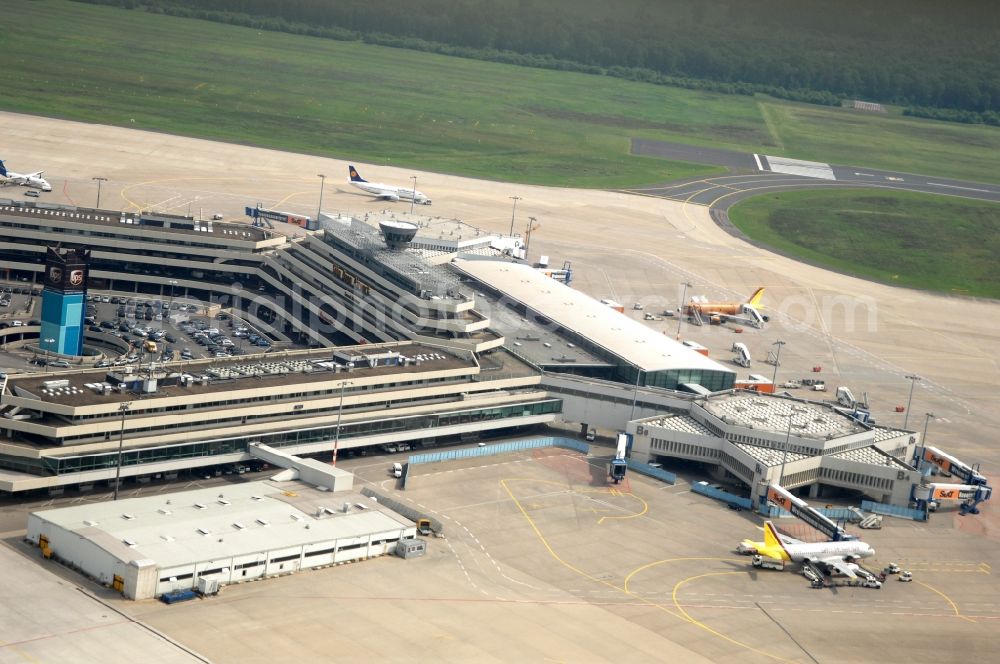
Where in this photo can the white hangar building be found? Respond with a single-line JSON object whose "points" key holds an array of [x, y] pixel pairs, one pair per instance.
{"points": [[148, 546]]}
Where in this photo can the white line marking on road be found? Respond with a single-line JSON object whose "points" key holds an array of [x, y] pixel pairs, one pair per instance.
{"points": [[756, 157], [955, 186]]}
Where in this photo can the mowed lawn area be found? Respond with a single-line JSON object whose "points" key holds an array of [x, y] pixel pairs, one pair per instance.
{"points": [[908, 239], [392, 106]]}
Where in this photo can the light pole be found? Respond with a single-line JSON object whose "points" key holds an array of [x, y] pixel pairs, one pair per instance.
{"points": [[527, 234], [413, 195], [513, 212], [913, 378], [99, 180], [680, 312], [170, 300], [322, 183], [47, 342], [927, 420], [122, 408], [340, 413], [777, 361]]}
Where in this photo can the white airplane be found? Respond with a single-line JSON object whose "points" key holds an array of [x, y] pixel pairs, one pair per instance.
{"points": [[387, 192], [25, 179], [839, 556]]}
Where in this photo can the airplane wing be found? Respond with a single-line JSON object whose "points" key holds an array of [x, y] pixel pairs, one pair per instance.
{"points": [[841, 565], [387, 197], [37, 174]]}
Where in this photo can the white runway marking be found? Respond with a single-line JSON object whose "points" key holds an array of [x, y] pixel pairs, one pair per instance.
{"points": [[809, 169], [756, 157], [955, 186]]}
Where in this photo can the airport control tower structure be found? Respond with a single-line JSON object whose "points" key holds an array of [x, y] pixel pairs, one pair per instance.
{"points": [[63, 306]]}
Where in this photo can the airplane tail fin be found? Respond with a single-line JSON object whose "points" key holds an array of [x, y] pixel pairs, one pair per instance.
{"points": [[354, 174], [3, 169], [757, 296], [771, 538]]}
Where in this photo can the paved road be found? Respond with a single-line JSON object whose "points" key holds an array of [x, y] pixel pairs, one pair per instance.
{"points": [[724, 191]]}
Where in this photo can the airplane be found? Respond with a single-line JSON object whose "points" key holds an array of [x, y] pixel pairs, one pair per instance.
{"points": [[25, 179], [719, 311], [386, 192], [840, 556]]}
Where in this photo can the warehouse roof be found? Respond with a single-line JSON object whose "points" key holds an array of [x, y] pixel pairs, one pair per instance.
{"points": [[610, 330], [222, 522]]}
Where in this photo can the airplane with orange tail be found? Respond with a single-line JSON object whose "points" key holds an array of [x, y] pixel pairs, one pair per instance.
{"points": [[720, 312]]}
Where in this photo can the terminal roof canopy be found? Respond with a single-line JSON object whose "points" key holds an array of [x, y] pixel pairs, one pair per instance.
{"points": [[619, 335]]}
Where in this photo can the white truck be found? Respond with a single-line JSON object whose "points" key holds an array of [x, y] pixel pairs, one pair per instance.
{"points": [[766, 562]]}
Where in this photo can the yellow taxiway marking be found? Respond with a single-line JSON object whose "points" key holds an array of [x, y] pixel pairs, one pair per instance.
{"points": [[610, 491], [682, 616], [958, 614]]}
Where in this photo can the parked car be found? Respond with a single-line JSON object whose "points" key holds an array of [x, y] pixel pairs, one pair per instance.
{"points": [[59, 364]]}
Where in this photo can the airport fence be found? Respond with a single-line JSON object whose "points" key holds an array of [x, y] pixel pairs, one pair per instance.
{"points": [[894, 510], [499, 448], [409, 511], [719, 494], [651, 471]]}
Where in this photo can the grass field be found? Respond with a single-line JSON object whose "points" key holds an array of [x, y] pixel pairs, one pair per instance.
{"points": [[907, 239], [421, 110]]}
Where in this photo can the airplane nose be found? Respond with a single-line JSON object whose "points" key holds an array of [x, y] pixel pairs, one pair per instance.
{"points": [[871, 552]]}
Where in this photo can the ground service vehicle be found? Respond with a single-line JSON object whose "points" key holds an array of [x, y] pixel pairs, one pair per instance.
{"points": [[397, 470], [763, 562]]}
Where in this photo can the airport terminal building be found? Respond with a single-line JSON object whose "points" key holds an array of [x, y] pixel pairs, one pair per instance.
{"points": [[759, 439], [64, 429], [419, 335]]}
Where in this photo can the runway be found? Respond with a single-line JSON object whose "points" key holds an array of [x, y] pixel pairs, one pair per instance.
{"points": [[754, 174]]}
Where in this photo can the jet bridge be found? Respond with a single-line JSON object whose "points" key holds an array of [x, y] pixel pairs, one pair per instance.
{"points": [[801, 509], [619, 465], [974, 490], [927, 457], [928, 495]]}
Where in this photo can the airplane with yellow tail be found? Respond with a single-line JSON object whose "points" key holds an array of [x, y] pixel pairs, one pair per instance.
{"points": [[838, 556]]}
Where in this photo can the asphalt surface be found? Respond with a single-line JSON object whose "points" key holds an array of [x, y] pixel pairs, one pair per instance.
{"points": [[725, 191]]}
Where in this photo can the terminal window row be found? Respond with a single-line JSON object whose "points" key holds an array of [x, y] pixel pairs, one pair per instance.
{"points": [[673, 447], [801, 478], [770, 444], [742, 471], [857, 479], [70, 464], [273, 398]]}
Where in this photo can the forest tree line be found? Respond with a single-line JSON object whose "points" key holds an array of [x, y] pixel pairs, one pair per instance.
{"points": [[938, 59]]}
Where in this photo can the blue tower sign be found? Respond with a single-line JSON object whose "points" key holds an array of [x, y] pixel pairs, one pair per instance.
{"points": [[63, 308]]}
